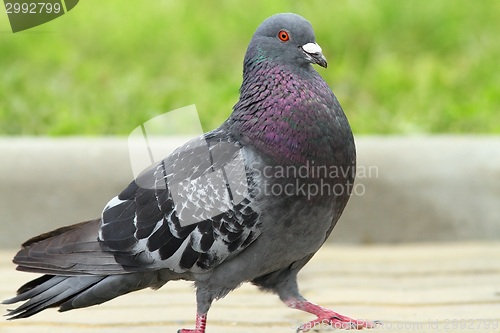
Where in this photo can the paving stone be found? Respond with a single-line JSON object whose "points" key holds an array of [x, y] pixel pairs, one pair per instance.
{"points": [[447, 287]]}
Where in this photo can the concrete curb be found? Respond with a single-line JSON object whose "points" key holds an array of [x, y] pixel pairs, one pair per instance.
{"points": [[412, 189]]}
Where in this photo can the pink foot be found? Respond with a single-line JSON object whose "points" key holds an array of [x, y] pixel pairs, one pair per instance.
{"points": [[327, 317], [201, 322]]}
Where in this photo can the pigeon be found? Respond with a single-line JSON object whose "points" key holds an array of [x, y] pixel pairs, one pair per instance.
{"points": [[251, 201]]}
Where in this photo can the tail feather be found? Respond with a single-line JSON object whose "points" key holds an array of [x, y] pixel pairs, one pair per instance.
{"points": [[50, 294], [73, 250], [111, 287], [72, 292], [33, 283], [78, 273], [33, 288], [53, 233]]}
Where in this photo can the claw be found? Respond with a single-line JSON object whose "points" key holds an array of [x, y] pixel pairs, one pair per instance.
{"points": [[327, 317]]}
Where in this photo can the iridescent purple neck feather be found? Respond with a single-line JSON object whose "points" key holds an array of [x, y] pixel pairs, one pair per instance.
{"points": [[291, 115]]}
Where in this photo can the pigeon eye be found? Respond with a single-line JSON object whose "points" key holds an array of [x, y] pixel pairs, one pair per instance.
{"points": [[283, 35]]}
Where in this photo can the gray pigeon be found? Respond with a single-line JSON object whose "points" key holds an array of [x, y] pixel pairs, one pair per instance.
{"points": [[251, 201]]}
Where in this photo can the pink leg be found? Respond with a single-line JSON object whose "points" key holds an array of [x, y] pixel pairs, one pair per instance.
{"points": [[201, 322], [327, 317]]}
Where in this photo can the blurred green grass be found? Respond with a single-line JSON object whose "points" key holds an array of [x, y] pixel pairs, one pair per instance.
{"points": [[107, 66]]}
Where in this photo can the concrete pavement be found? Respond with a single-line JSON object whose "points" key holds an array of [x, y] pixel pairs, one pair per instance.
{"points": [[452, 287]]}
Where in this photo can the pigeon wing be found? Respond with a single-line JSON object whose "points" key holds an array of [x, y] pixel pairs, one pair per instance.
{"points": [[189, 213]]}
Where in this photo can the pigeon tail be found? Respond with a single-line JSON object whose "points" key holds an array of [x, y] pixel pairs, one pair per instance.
{"points": [[77, 272], [72, 292], [71, 250]]}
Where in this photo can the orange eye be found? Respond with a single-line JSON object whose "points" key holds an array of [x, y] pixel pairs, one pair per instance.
{"points": [[283, 35]]}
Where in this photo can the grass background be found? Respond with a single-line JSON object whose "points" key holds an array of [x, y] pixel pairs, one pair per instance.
{"points": [[396, 66]]}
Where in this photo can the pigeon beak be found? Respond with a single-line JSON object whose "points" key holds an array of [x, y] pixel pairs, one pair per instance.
{"points": [[313, 52]]}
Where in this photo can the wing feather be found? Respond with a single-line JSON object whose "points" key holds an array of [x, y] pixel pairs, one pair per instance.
{"points": [[142, 225]]}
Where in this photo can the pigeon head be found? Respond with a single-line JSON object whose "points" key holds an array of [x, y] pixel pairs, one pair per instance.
{"points": [[286, 39], [286, 111]]}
